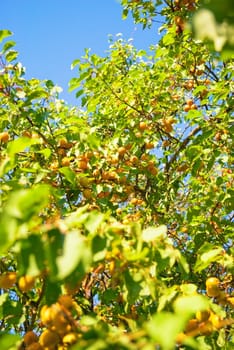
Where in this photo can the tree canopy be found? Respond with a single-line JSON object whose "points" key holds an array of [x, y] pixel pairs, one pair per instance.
{"points": [[117, 215]]}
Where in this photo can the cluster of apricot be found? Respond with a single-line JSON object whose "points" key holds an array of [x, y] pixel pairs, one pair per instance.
{"points": [[207, 321], [112, 171], [24, 283], [167, 124], [190, 5], [190, 105], [60, 327], [189, 84], [213, 290]]}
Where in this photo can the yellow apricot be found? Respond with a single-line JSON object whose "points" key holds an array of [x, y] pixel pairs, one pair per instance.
{"points": [[180, 338], [61, 325], [49, 338], [66, 301], [70, 338], [46, 315], [7, 280], [202, 316], [26, 283], [87, 193], [212, 287], [215, 320], [231, 301], [65, 161]]}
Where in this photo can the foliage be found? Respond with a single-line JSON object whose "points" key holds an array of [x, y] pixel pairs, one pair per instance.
{"points": [[117, 217], [214, 21]]}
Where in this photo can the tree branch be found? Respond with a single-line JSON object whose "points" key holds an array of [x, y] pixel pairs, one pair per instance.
{"points": [[182, 146]]}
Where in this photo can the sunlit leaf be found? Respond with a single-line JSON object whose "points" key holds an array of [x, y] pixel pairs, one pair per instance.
{"points": [[154, 233], [4, 33], [190, 304], [164, 327]]}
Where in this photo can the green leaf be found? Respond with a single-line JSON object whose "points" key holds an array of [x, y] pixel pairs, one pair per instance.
{"points": [[8, 341], [164, 327], [190, 304], [20, 145], [99, 248], [8, 232], [46, 153], [74, 84], [39, 93], [168, 39], [24, 204], [75, 63], [133, 286], [11, 55], [75, 250], [207, 254], [79, 93], [52, 291], [31, 257], [4, 33], [125, 13], [154, 233], [65, 253], [93, 222], [20, 208], [8, 45], [69, 174]]}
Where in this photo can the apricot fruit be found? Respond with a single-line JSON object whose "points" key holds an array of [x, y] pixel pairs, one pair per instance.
{"points": [[26, 283], [87, 193], [4, 137], [70, 338], [7, 280], [66, 301], [35, 346], [149, 145], [215, 320], [49, 338], [192, 324], [30, 337], [230, 300], [212, 287], [65, 161], [202, 316], [121, 151], [143, 126], [82, 164], [46, 315], [63, 143], [61, 324]]}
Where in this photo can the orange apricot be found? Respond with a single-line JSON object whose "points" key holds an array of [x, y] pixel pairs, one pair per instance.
{"points": [[26, 283], [121, 151], [30, 337], [66, 301], [4, 137], [7, 280]]}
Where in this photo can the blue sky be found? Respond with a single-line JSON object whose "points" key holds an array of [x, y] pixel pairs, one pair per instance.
{"points": [[50, 34]]}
